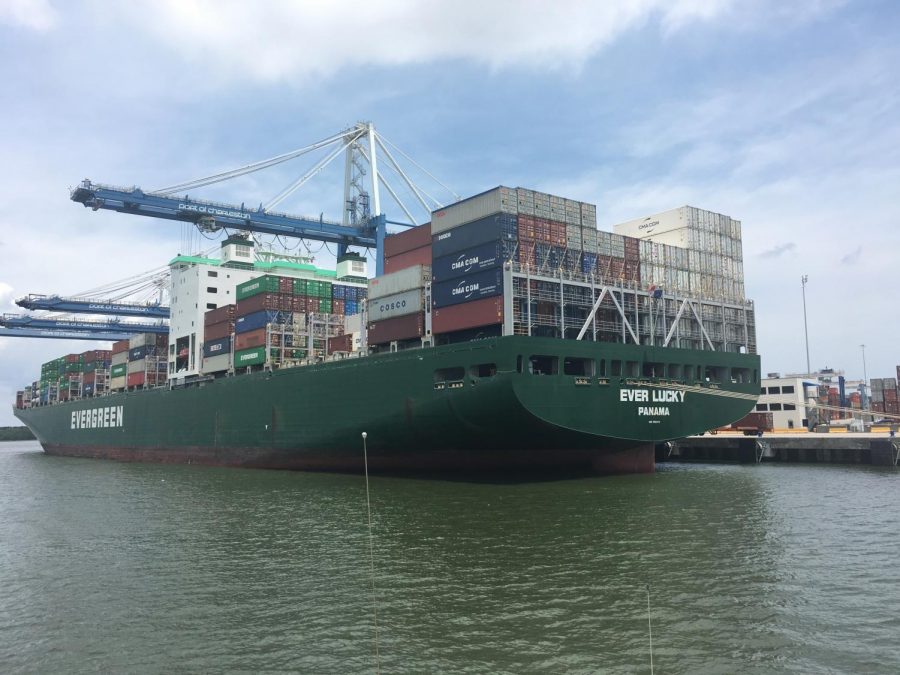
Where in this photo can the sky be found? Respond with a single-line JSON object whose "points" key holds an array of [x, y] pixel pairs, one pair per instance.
{"points": [[785, 116]]}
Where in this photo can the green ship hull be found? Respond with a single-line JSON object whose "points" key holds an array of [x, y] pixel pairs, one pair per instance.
{"points": [[501, 404]]}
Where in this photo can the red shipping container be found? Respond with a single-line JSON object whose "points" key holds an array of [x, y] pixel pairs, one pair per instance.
{"points": [[878, 406], [417, 256], [135, 379], [120, 346], [398, 328], [485, 312], [73, 358], [890, 395], [254, 338], [286, 285], [261, 301], [298, 303], [338, 306], [312, 305], [89, 378], [220, 314], [340, 343], [411, 239], [218, 331]]}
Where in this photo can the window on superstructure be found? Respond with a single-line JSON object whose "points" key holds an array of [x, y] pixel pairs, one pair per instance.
{"points": [[453, 374], [211, 289], [790, 406], [543, 365], [787, 389], [774, 406], [579, 367], [762, 407], [774, 390], [210, 305], [210, 273]]}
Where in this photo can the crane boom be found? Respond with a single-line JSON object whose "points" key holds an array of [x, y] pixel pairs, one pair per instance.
{"points": [[61, 334], [207, 214], [55, 303], [110, 326]]}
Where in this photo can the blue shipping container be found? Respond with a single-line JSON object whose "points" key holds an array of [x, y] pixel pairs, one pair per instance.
{"points": [[137, 353], [483, 257], [499, 227], [588, 263], [470, 287], [217, 347], [248, 322]]}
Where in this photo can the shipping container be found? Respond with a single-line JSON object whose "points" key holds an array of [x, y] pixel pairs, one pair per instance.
{"points": [[244, 324], [220, 314], [402, 261], [408, 240], [119, 370], [147, 339], [136, 379], [407, 302], [263, 284], [216, 364], [261, 301], [138, 353], [486, 312], [398, 282], [498, 227], [399, 328], [340, 343], [483, 257], [470, 287], [253, 338], [250, 357], [217, 347], [498, 200], [218, 331]]}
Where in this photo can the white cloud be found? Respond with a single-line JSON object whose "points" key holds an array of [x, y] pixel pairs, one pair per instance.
{"points": [[284, 40], [37, 15]]}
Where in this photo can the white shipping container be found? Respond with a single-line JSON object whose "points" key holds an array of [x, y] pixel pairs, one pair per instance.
{"points": [[400, 304], [117, 382], [141, 339], [117, 359], [397, 282], [216, 364], [498, 200]]}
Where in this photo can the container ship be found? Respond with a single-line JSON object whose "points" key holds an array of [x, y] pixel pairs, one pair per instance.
{"points": [[508, 334]]}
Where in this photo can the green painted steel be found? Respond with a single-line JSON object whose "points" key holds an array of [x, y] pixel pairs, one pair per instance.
{"points": [[454, 403]]}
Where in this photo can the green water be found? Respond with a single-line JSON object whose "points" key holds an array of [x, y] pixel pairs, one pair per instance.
{"points": [[115, 567]]}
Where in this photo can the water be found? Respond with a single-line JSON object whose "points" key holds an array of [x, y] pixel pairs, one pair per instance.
{"points": [[117, 567]]}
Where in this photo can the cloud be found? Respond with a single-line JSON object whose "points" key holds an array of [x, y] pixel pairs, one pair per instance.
{"points": [[853, 257], [278, 40], [36, 15], [778, 251]]}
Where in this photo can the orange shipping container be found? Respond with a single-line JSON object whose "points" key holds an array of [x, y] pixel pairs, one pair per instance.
{"points": [[485, 312]]}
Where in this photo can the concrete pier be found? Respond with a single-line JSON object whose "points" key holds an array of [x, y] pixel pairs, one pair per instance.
{"points": [[877, 449]]}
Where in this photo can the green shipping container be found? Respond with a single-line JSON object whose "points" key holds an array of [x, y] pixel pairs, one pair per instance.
{"points": [[325, 305], [118, 370], [264, 284], [74, 368], [300, 287], [250, 357]]}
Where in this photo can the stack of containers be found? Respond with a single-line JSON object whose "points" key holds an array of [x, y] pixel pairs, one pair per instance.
{"points": [[70, 382], [265, 314], [714, 265], [118, 368], [891, 403], [396, 305], [877, 391], [218, 326], [407, 249], [147, 361], [96, 372]]}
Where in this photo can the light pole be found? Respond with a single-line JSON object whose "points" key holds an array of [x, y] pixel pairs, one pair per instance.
{"points": [[805, 329]]}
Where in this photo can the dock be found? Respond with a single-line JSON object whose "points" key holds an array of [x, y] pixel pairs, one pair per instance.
{"points": [[876, 449]]}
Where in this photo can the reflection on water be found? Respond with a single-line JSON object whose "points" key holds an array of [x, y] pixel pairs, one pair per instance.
{"points": [[128, 567]]}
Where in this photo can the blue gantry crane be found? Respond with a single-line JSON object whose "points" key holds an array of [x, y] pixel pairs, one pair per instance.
{"points": [[363, 222], [63, 334], [55, 303], [20, 321]]}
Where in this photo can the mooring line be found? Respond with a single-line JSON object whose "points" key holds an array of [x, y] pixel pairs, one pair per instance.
{"points": [[371, 554]]}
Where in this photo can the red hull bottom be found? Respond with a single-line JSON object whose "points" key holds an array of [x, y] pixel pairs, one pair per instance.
{"points": [[639, 459]]}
